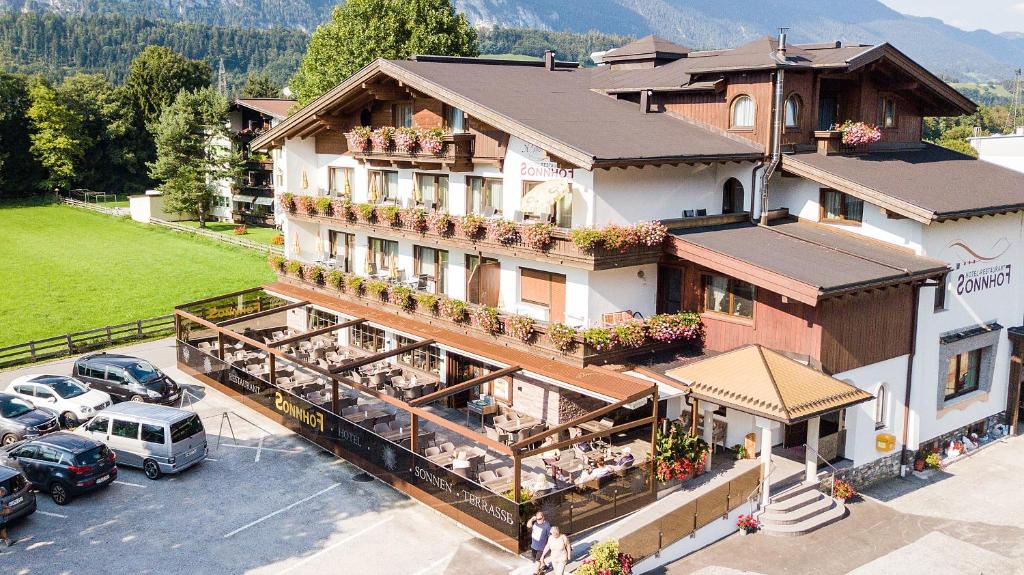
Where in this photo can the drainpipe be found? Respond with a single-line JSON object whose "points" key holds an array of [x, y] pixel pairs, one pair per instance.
{"points": [[776, 135], [904, 452]]}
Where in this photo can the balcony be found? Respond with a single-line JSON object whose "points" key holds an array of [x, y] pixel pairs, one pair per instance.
{"points": [[455, 155], [494, 236]]}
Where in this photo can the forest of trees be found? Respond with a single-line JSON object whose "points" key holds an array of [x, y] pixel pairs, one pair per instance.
{"points": [[568, 46]]}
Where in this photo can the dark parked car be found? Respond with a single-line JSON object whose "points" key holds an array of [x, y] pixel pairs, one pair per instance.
{"points": [[17, 494], [64, 464], [20, 419], [126, 378]]}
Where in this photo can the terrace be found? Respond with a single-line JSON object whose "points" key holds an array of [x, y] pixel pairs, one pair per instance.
{"points": [[482, 433]]}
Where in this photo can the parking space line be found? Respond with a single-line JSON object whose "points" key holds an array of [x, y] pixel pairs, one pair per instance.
{"points": [[119, 482], [330, 547], [435, 564], [296, 450], [50, 514], [282, 510]]}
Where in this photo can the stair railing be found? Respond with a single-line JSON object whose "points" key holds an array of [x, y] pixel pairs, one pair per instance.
{"points": [[832, 474], [755, 495]]}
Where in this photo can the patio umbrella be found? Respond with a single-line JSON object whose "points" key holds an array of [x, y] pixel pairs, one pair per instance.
{"points": [[540, 199]]}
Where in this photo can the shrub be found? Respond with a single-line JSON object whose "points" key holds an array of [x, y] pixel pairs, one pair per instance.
{"points": [[405, 139], [630, 333], [471, 225], [599, 338], [415, 219], [288, 202], [306, 205], [537, 236], [382, 137], [605, 559], [376, 288], [426, 302], [504, 231], [276, 262], [354, 284], [667, 327], [586, 239], [562, 336], [431, 141], [241, 230], [314, 273], [389, 214], [336, 279], [367, 212], [486, 318], [294, 268], [453, 309], [277, 240], [520, 327], [323, 206], [402, 297], [441, 222], [651, 234]]}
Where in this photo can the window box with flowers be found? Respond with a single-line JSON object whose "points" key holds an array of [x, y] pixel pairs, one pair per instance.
{"points": [[382, 138], [486, 318], [305, 205], [288, 202], [441, 223], [415, 219], [504, 232], [520, 327], [406, 140], [471, 225], [359, 138]]}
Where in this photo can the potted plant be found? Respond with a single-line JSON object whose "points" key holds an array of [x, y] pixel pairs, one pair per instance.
{"points": [[359, 138], [241, 230], [431, 141], [324, 206], [616, 237], [389, 214], [288, 202], [453, 309], [599, 338], [367, 212], [651, 234], [933, 460], [586, 239], [402, 297], [354, 284], [306, 205], [471, 225], [741, 451], [441, 222], [919, 463], [747, 524], [336, 279], [426, 302], [630, 333], [537, 236], [405, 140], [276, 262], [277, 240], [520, 327], [859, 135], [415, 219], [680, 455], [486, 318], [682, 326], [382, 138], [843, 490], [293, 268], [562, 336], [504, 231]]}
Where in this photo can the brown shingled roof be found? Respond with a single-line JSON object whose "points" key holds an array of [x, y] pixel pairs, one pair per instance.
{"points": [[276, 107], [763, 382], [933, 183], [647, 47]]}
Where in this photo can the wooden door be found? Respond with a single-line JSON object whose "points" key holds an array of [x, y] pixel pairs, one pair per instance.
{"points": [[489, 275]]}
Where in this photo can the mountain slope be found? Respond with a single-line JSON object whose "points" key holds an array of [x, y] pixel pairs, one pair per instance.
{"points": [[944, 49]]}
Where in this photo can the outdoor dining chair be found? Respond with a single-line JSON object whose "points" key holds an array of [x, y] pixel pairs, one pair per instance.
{"points": [[431, 452], [380, 428], [504, 471], [486, 476], [412, 393]]}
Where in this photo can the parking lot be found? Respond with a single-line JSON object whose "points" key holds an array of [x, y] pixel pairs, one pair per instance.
{"points": [[265, 501]]}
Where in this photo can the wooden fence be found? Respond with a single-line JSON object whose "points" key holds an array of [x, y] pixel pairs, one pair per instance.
{"points": [[225, 238], [95, 207], [82, 341], [688, 518]]}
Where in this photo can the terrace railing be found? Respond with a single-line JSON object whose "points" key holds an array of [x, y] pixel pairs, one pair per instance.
{"points": [[88, 340]]}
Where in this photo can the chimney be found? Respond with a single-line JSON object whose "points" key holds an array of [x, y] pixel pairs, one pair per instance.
{"points": [[549, 60], [645, 101], [781, 50]]}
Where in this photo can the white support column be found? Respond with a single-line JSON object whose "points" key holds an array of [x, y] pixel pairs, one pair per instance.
{"points": [[811, 451], [709, 429], [766, 426]]}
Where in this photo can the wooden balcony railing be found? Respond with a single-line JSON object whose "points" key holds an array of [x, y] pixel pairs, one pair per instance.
{"points": [[456, 154], [560, 251]]}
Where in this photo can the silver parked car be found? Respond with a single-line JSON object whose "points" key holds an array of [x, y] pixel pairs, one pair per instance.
{"points": [[157, 438]]}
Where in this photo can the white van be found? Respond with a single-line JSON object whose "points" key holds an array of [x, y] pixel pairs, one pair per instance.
{"points": [[157, 438]]}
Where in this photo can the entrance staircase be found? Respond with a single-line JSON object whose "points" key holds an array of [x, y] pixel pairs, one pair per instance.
{"points": [[800, 510]]}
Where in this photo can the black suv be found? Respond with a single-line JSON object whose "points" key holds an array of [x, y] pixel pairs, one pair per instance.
{"points": [[126, 378], [19, 419], [64, 464]]}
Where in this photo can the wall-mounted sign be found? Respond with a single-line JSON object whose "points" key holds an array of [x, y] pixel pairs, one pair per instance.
{"points": [[976, 270]]}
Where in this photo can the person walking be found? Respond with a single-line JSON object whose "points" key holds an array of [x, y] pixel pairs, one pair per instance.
{"points": [[560, 549], [540, 529]]}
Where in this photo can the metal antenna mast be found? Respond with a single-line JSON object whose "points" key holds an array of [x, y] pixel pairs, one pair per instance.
{"points": [[1016, 117]]}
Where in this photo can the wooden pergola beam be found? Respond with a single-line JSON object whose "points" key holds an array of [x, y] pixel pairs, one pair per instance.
{"points": [[308, 334], [465, 385], [649, 420], [260, 314], [583, 419]]}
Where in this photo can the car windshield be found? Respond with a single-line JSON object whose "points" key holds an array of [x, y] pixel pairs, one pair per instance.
{"points": [[67, 388], [143, 372], [186, 428], [94, 455], [14, 407]]}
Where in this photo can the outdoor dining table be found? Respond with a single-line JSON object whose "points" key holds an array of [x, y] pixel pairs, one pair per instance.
{"points": [[364, 415], [444, 459], [593, 426], [397, 436], [512, 426]]}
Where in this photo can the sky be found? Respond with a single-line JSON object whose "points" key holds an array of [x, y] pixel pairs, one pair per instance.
{"points": [[993, 15]]}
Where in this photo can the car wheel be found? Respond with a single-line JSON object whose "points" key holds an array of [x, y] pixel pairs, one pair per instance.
{"points": [[151, 469], [9, 439], [138, 398], [59, 493], [68, 420]]}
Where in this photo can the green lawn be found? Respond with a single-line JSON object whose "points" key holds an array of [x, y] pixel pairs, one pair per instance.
{"points": [[261, 235], [68, 269]]}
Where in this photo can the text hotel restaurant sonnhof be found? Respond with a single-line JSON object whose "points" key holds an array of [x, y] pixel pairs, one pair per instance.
{"points": [[856, 298]]}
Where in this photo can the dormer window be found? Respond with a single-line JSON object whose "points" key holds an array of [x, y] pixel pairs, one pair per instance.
{"points": [[742, 113], [887, 111], [793, 106]]}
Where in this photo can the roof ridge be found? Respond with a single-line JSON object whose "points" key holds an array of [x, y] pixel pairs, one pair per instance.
{"points": [[771, 377], [842, 251]]}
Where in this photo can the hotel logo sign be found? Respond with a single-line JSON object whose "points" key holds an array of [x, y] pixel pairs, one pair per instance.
{"points": [[452, 491], [312, 418], [980, 270]]}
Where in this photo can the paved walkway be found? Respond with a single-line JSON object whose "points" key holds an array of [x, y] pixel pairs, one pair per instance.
{"points": [[966, 519]]}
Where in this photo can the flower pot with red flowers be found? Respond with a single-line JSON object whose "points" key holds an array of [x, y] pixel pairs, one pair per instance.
{"points": [[842, 490], [680, 455], [747, 524]]}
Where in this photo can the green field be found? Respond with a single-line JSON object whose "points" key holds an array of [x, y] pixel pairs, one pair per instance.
{"points": [[67, 269], [261, 235]]}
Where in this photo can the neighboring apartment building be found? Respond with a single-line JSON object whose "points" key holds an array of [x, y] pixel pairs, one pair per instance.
{"points": [[1006, 150], [889, 268], [250, 200]]}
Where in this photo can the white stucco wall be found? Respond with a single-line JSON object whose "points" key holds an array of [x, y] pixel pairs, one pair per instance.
{"points": [[860, 419], [1006, 151]]}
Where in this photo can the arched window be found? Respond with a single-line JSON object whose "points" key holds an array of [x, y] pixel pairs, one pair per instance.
{"points": [[882, 407], [732, 196], [793, 106], [742, 112]]}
